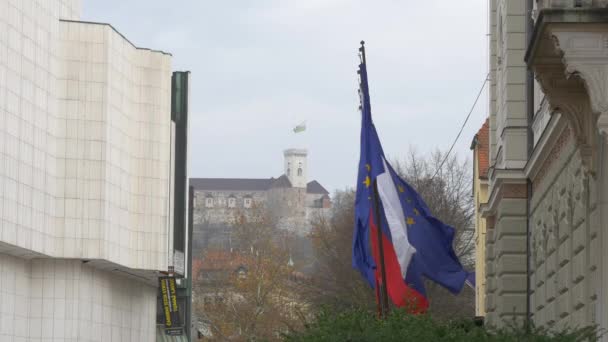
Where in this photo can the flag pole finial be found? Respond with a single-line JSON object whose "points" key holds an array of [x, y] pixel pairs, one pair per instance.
{"points": [[362, 52]]}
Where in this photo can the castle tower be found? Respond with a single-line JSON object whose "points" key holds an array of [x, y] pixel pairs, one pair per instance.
{"points": [[296, 167]]}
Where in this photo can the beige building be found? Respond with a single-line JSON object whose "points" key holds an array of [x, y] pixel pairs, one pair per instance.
{"points": [[547, 229], [481, 149]]}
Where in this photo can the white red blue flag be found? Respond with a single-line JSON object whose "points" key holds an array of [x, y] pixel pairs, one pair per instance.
{"points": [[416, 245]]}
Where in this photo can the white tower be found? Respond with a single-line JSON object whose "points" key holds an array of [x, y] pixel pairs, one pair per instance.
{"points": [[295, 167]]}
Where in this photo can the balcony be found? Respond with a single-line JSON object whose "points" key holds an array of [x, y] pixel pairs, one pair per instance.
{"points": [[567, 52]]}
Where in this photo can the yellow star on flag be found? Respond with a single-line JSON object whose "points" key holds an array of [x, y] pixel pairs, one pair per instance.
{"points": [[416, 212], [368, 167], [367, 182], [410, 221], [409, 200], [401, 189]]}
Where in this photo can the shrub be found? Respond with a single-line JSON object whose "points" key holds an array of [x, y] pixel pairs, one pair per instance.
{"points": [[359, 325]]}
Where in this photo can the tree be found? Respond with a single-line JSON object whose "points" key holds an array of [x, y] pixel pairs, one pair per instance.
{"points": [[336, 284], [447, 192], [446, 187], [256, 293]]}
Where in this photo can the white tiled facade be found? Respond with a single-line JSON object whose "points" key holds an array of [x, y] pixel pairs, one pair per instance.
{"points": [[66, 300], [85, 136]]}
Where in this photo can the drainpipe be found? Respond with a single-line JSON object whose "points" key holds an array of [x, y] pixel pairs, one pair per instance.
{"points": [[530, 115]]}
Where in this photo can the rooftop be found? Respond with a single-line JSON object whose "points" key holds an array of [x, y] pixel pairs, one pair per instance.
{"points": [[481, 144], [252, 184]]}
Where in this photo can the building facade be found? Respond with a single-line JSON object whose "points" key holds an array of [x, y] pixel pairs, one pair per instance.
{"points": [[481, 148], [87, 177], [547, 232]]}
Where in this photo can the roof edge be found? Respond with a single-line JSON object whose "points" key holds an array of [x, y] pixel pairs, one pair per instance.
{"points": [[115, 30]]}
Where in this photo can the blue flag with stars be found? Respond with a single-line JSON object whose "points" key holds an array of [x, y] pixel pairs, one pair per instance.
{"points": [[417, 245]]}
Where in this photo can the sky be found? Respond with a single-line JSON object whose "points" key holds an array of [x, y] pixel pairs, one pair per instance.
{"points": [[261, 67]]}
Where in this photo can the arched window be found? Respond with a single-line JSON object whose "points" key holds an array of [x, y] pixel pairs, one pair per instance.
{"points": [[247, 203], [231, 202], [209, 202], [299, 171], [289, 172]]}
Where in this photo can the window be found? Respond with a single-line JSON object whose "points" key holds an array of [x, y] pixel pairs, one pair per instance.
{"points": [[299, 171], [209, 202], [247, 203], [231, 202]]}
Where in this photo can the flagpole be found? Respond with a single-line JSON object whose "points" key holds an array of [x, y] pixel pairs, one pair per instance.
{"points": [[384, 305], [383, 290]]}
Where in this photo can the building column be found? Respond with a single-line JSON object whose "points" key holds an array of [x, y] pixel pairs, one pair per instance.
{"points": [[490, 290], [510, 250]]}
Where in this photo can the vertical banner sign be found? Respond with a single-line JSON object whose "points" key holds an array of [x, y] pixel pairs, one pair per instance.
{"points": [[168, 291]]}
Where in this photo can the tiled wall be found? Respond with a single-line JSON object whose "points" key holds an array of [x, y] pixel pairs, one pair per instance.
{"points": [[84, 138], [27, 120], [84, 174], [116, 119], [65, 300]]}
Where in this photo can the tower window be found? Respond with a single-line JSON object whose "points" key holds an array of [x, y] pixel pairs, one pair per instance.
{"points": [[299, 171]]}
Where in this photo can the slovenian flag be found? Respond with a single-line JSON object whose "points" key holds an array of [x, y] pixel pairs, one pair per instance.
{"points": [[300, 128], [416, 245]]}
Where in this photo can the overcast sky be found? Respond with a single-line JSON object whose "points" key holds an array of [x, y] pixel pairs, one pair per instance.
{"points": [[260, 67]]}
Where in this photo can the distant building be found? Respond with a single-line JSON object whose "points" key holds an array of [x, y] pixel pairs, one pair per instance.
{"points": [[88, 216], [290, 199], [481, 150]]}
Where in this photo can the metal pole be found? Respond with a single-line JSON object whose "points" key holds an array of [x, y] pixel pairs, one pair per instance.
{"points": [[383, 291], [383, 294]]}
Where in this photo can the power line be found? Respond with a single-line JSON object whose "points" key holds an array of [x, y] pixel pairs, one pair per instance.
{"points": [[462, 128]]}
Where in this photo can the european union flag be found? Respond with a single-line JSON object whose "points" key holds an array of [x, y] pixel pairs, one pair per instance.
{"points": [[416, 245]]}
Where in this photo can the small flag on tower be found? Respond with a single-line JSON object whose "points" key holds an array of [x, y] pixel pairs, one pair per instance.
{"points": [[300, 128]]}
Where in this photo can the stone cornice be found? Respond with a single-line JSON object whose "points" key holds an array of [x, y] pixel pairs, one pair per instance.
{"points": [[507, 183], [562, 15]]}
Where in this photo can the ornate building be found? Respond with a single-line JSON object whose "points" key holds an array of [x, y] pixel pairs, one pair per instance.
{"points": [[547, 229], [291, 200]]}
